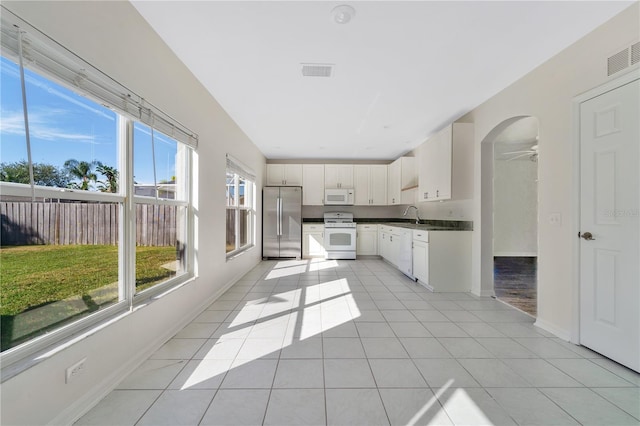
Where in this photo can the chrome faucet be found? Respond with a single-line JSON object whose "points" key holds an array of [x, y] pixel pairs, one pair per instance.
{"points": [[417, 217]]}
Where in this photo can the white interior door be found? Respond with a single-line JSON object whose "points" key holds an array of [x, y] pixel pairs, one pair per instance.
{"points": [[609, 217]]}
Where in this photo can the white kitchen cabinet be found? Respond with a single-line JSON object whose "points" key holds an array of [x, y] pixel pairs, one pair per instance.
{"points": [[446, 164], [313, 241], [313, 184], [402, 181], [442, 263], [384, 232], [393, 187], [338, 176], [390, 244], [370, 184], [367, 240], [284, 174]]}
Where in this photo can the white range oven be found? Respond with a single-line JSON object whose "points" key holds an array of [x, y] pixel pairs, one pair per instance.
{"points": [[339, 235]]}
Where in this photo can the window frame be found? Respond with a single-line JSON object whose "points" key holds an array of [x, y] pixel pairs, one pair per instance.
{"points": [[250, 193], [17, 359]]}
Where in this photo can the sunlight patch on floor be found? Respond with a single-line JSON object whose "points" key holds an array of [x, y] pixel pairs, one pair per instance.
{"points": [[267, 324], [420, 416]]}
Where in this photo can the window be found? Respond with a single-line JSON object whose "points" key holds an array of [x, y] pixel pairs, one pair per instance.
{"points": [[240, 204], [89, 178], [161, 205], [60, 256]]}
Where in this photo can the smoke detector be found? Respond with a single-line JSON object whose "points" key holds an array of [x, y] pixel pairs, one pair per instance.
{"points": [[343, 14]]}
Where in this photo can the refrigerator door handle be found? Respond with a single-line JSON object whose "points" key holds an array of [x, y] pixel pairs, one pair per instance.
{"points": [[279, 216]]}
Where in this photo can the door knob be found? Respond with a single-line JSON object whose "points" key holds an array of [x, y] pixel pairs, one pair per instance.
{"points": [[587, 236]]}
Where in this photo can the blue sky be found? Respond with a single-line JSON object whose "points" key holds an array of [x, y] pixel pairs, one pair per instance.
{"points": [[64, 125]]}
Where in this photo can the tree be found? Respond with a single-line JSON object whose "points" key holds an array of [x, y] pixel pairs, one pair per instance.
{"points": [[111, 175], [82, 170], [43, 174]]}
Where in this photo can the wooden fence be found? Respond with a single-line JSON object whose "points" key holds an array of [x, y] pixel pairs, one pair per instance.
{"points": [[25, 223]]}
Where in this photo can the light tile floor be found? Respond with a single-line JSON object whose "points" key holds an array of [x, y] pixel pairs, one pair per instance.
{"points": [[356, 342]]}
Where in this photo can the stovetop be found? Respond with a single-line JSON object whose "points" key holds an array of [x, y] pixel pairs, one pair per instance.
{"points": [[339, 220]]}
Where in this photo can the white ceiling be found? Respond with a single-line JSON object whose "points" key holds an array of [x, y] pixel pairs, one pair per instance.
{"points": [[402, 70]]}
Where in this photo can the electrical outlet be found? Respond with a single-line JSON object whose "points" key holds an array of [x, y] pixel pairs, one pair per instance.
{"points": [[74, 371]]}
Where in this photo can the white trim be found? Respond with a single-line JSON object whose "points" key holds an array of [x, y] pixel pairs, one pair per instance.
{"points": [[574, 334], [558, 332], [32, 352], [24, 190], [138, 199], [515, 254], [485, 293]]}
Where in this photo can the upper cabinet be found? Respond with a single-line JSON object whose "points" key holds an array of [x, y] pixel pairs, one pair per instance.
{"points": [[284, 174], [403, 181], [370, 184], [313, 184], [446, 164], [338, 176]]}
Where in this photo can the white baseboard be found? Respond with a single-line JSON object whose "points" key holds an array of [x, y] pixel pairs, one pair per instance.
{"points": [[515, 254], [425, 285], [487, 293], [82, 405], [558, 332]]}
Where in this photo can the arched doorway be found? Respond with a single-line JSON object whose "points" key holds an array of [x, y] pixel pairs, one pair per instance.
{"points": [[510, 211]]}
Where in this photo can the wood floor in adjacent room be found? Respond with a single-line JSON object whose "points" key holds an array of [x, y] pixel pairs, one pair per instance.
{"points": [[515, 282]]}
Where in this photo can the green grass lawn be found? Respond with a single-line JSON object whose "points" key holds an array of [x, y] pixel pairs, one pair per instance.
{"points": [[35, 275], [44, 286]]}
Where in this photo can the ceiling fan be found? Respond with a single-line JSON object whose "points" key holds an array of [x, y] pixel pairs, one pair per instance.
{"points": [[532, 153]]}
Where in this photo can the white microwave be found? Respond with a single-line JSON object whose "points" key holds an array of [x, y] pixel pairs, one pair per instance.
{"points": [[339, 197]]}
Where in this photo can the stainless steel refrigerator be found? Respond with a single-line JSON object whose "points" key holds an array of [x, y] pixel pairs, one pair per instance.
{"points": [[282, 221]]}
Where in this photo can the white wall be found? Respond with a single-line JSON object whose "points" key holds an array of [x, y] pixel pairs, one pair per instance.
{"points": [[390, 212], [114, 38], [515, 208], [546, 93]]}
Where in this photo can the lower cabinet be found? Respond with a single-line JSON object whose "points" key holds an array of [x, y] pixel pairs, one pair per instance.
{"points": [[438, 260], [313, 241], [443, 262], [420, 258], [388, 244], [366, 240]]}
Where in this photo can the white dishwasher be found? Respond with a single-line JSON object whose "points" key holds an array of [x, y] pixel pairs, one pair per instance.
{"points": [[405, 252], [421, 257]]}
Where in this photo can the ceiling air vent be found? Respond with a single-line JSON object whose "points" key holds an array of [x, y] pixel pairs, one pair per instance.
{"points": [[317, 70], [635, 53]]}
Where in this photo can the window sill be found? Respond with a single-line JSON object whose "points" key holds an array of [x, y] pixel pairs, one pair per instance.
{"points": [[239, 252], [27, 356]]}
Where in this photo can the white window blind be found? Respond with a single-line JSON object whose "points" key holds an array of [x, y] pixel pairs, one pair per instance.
{"points": [[43, 54], [236, 166]]}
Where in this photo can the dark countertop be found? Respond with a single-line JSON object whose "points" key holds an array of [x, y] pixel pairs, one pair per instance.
{"points": [[427, 225]]}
